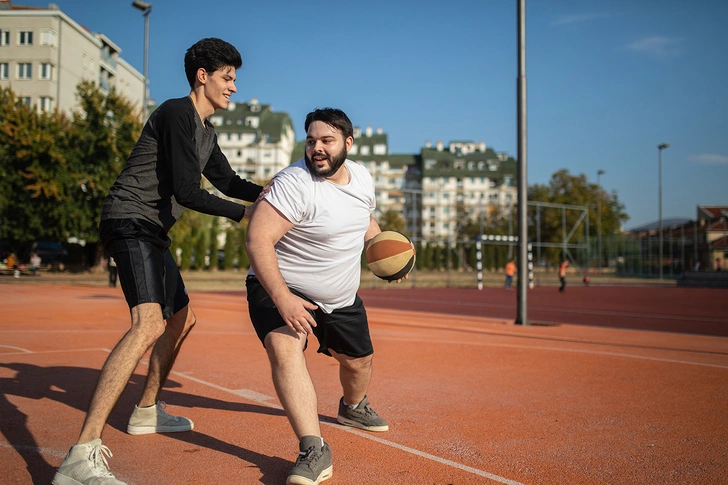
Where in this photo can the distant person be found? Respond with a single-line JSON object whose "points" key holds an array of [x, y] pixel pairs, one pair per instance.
{"points": [[718, 264], [562, 275], [510, 271], [35, 262], [113, 272], [12, 263], [161, 178], [305, 241], [696, 267]]}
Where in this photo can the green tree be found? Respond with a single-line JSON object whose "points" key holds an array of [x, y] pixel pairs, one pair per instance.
{"points": [[575, 190], [391, 220], [214, 232], [59, 168]]}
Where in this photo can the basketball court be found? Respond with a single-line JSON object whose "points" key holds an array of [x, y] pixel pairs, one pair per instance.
{"points": [[610, 385]]}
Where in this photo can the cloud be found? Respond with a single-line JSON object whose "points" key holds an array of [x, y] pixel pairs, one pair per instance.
{"points": [[658, 46], [709, 159], [578, 18]]}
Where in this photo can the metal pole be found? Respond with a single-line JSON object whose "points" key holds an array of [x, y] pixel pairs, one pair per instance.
{"points": [[522, 317], [146, 9], [695, 242], [660, 147], [538, 241], [146, 62], [659, 171], [599, 221]]}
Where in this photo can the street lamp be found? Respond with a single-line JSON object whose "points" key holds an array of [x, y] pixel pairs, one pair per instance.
{"points": [[660, 147], [146, 9], [599, 221]]}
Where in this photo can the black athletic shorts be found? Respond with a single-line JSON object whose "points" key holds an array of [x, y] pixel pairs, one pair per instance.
{"points": [[345, 330], [147, 270]]}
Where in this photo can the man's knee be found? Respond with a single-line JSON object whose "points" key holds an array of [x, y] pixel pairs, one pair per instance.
{"points": [[182, 321], [355, 364], [283, 346], [147, 321]]}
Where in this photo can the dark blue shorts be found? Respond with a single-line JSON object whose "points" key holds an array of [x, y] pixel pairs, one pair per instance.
{"points": [[345, 330], [147, 270]]}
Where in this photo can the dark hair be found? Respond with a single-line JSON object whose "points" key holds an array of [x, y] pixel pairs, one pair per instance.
{"points": [[210, 54], [333, 117]]}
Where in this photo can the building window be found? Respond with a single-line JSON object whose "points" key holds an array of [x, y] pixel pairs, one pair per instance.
{"points": [[4, 37], [4, 70], [25, 100], [46, 70], [48, 37], [25, 70], [25, 37], [44, 103]]}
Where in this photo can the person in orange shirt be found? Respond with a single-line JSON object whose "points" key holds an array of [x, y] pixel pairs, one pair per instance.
{"points": [[510, 271], [562, 275]]}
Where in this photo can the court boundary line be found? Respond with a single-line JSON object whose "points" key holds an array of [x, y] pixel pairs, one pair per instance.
{"points": [[263, 400]]}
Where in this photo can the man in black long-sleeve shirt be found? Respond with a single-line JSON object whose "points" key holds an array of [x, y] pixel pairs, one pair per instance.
{"points": [[160, 179]]}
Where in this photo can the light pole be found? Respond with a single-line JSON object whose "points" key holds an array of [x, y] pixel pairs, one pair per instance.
{"points": [[146, 9], [599, 221], [660, 147]]}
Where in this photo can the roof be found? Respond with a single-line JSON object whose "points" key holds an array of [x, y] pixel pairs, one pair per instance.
{"points": [[270, 123], [454, 164], [711, 211]]}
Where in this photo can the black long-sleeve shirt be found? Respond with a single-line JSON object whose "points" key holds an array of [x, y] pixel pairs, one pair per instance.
{"points": [[162, 175]]}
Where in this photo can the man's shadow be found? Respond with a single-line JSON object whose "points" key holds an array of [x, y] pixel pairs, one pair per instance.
{"points": [[73, 386]]}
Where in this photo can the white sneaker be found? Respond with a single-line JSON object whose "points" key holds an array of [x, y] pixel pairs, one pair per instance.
{"points": [[86, 465], [155, 419]]}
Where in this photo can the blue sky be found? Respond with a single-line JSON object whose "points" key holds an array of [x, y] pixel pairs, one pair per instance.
{"points": [[608, 80]]}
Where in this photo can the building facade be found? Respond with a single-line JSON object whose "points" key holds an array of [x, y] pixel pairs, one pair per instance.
{"points": [[256, 140], [44, 54], [439, 189]]}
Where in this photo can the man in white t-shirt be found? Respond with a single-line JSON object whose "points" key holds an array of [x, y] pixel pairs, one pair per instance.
{"points": [[305, 241]]}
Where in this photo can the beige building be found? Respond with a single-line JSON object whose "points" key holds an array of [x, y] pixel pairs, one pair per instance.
{"points": [[438, 189], [256, 140], [44, 54]]}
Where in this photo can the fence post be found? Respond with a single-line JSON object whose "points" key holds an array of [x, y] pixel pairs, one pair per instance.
{"points": [[479, 261]]}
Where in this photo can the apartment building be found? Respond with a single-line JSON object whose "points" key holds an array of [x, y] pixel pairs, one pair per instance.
{"points": [[256, 140], [461, 182], [44, 54], [438, 189]]}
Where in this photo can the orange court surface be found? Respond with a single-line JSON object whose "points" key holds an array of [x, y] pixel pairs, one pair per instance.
{"points": [[608, 385]]}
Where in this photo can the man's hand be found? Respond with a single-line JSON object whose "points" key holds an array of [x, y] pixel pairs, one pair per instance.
{"points": [[294, 311], [249, 209], [399, 280]]}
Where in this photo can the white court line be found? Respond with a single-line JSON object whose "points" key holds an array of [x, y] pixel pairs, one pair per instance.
{"points": [[557, 349], [42, 451], [23, 351], [264, 400]]}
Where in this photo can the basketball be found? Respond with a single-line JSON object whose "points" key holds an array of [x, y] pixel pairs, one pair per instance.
{"points": [[390, 255]]}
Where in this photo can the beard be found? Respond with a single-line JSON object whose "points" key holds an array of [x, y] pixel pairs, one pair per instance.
{"points": [[335, 163]]}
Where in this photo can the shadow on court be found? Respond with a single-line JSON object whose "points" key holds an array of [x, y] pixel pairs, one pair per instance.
{"points": [[73, 387]]}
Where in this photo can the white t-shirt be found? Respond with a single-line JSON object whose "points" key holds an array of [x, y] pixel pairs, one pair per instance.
{"points": [[321, 255]]}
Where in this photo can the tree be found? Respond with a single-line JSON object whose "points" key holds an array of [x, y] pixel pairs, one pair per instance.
{"points": [[391, 220], [59, 168], [575, 190]]}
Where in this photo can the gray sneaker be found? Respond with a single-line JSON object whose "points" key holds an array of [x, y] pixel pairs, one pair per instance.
{"points": [[313, 465], [361, 416], [155, 419], [86, 465]]}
